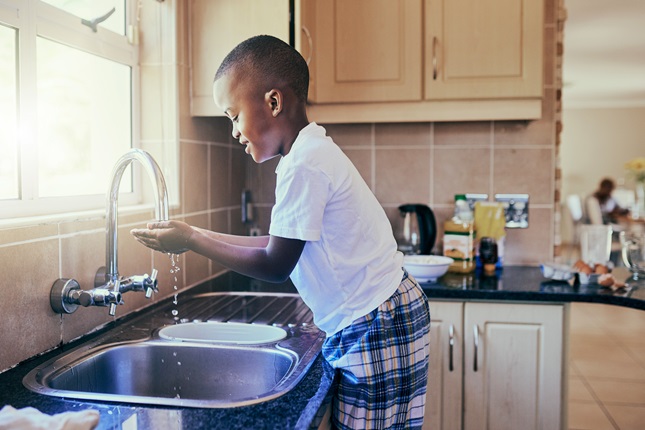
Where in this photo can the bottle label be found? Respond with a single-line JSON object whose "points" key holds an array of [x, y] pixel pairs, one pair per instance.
{"points": [[458, 246]]}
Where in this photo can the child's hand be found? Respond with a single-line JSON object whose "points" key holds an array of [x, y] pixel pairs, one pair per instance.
{"points": [[169, 237]]}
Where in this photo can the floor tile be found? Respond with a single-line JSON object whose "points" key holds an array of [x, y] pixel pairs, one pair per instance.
{"points": [[588, 416], [615, 391], [628, 417], [578, 391], [619, 369], [606, 368]]}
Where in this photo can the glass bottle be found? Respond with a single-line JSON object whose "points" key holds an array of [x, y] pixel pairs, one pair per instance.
{"points": [[459, 237]]}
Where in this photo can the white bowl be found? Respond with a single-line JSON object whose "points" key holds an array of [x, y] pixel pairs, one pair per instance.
{"points": [[426, 268], [218, 332]]}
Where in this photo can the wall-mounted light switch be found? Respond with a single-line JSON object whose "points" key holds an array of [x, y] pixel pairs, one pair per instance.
{"points": [[516, 209], [247, 207]]}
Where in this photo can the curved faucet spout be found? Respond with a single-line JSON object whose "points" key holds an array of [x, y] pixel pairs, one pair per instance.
{"points": [[161, 204]]}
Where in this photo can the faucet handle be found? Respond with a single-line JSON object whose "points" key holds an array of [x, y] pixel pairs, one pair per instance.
{"points": [[151, 283]]}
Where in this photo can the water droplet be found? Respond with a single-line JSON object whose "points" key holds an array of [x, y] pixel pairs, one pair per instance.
{"points": [[174, 354], [179, 363], [175, 312]]}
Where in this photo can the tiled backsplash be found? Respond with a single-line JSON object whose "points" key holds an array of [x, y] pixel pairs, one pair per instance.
{"points": [[431, 162], [412, 162]]}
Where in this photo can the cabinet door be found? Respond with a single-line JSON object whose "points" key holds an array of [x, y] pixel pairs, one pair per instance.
{"points": [[478, 49], [362, 50], [513, 365], [216, 27], [445, 374]]}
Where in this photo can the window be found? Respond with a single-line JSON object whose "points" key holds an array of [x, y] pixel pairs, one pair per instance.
{"points": [[8, 114], [68, 90]]}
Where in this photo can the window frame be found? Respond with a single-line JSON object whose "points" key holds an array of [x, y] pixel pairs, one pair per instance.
{"points": [[33, 19]]}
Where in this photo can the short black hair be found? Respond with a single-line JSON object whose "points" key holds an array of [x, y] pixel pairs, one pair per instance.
{"points": [[270, 60]]}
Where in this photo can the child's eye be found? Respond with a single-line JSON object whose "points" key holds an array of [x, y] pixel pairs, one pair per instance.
{"points": [[234, 119]]}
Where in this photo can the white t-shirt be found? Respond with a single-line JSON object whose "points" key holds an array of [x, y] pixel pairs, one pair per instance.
{"points": [[350, 263]]}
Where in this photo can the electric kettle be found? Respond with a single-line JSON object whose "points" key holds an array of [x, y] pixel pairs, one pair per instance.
{"points": [[419, 229]]}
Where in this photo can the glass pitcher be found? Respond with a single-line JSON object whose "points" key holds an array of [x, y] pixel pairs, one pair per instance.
{"points": [[633, 252]]}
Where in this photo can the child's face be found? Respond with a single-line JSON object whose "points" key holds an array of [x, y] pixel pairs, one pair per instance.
{"points": [[252, 116]]}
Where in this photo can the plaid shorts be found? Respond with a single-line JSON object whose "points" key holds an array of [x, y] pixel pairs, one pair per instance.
{"points": [[381, 361]]}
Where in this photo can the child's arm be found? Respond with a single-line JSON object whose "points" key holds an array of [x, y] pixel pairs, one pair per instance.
{"points": [[234, 239], [268, 258]]}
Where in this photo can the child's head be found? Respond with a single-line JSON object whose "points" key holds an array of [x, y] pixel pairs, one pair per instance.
{"points": [[262, 87]]}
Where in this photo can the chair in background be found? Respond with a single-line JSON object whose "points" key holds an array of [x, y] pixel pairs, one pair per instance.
{"points": [[574, 206]]}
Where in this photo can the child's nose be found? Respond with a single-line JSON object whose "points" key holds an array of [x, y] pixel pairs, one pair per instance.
{"points": [[236, 133]]}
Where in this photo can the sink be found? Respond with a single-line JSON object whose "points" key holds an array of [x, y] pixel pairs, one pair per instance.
{"points": [[165, 373], [198, 363]]}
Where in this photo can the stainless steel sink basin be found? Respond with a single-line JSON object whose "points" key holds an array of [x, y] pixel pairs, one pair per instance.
{"points": [[133, 364]]}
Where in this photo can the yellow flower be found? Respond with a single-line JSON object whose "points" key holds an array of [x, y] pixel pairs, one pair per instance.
{"points": [[636, 168]]}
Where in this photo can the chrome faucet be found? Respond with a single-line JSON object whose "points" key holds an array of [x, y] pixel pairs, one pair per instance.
{"points": [[66, 294]]}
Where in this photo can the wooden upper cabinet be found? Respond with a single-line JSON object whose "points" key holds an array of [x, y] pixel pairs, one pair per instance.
{"points": [[483, 49], [216, 27], [362, 50]]}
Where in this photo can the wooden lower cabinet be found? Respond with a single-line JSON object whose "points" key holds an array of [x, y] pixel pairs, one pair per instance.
{"points": [[497, 366]]}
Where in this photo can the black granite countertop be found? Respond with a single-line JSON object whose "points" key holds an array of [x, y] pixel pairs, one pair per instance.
{"points": [[524, 283], [301, 408]]}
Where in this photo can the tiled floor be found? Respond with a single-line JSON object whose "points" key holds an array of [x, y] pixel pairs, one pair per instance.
{"points": [[606, 368]]}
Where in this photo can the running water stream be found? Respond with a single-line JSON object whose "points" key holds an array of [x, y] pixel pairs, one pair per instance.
{"points": [[174, 271]]}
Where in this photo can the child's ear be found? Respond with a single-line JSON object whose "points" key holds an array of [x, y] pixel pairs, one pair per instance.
{"points": [[274, 100]]}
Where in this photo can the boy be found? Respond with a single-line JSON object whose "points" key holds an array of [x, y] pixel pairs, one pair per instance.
{"points": [[328, 233]]}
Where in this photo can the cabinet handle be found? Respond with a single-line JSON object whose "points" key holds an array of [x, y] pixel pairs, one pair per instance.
{"points": [[310, 42], [451, 343], [434, 58], [476, 337]]}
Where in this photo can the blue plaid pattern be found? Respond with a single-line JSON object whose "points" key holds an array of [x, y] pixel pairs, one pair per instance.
{"points": [[381, 362]]}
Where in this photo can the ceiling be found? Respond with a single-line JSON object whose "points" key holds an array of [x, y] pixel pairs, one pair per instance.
{"points": [[604, 54]]}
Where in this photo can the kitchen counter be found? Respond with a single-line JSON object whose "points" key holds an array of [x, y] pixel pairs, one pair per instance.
{"points": [[523, 283], [302, 407]]}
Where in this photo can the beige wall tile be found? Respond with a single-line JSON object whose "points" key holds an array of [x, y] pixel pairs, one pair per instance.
{"points": [[29, 325], [194, 174], [531, 245], [83, 225], [459, 171], [402, 134], [220, 176], [239, 161], [81, 257], [21, 234], [524, 170], [362, 160], [538, 132], [402, 176], [462, 133], [350, 134]]}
